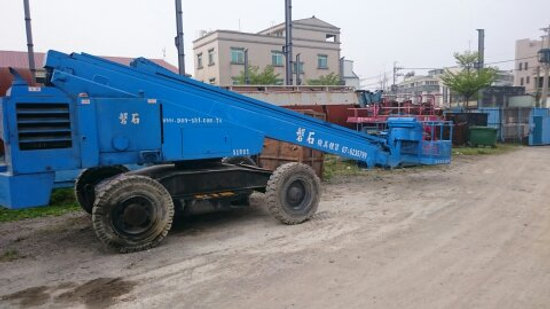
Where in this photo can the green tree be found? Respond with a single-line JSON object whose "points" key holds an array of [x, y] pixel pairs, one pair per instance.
{"points": [[325, 80], [469, 80], [266, 77]]}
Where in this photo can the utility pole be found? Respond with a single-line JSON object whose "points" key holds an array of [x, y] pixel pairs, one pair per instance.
{"points": [[480, 48], [382, 81], [298, 72], [246, 70], [287, 49], [179, 38], [539, 82], [480, 59], [30, 45], [396, 69], [545, 81], [537, 95]]}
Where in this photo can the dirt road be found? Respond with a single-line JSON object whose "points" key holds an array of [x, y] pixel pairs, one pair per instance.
{"points": [[475, 234]]}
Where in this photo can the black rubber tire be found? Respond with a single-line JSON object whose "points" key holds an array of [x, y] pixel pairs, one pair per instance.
{"points": [[84, 186], [134, 198], [239, 160], [293, 193]]}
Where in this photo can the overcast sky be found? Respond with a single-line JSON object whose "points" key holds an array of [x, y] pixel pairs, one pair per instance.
{"points": [[374, 33]]}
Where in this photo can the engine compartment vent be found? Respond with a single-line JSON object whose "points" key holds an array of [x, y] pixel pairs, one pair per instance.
{"points": [[43, 126]]}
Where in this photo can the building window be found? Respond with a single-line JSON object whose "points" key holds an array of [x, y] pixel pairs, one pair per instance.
{"points": [[211, 57], [237, 56], [520, 65], [199, 61], [526, 67], [527, 79], [540, 82], [300, 68], [322, 62], [276, 59], [521, 81], [212, 81]]}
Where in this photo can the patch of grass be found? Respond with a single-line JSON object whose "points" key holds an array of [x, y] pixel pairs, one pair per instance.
{"points": [[62, 201], [9, 256], [335, 166], [499, 149]]}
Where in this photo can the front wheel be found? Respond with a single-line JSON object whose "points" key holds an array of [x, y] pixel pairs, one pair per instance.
{"points": [[293, 193], [84, 186], [132, 213]]}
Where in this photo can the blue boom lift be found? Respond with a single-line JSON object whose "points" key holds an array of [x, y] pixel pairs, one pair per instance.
{"points": [[97, 115]]}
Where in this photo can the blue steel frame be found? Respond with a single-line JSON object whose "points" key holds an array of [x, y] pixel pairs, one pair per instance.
{"points": [[147, 114]]}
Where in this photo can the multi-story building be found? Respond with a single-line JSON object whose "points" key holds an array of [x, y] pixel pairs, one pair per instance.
{"points": [[528, 71], [504, 78], [422, 87], [220, 54], [431, 86]]}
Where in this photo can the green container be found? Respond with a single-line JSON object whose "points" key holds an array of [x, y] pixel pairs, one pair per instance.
{"points": [[484, 136]]}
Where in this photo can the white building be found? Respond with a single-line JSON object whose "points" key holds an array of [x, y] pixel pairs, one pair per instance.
{"points": [[219, 55], [425, 87], [347, 75], [431, 86], [527, 68]]}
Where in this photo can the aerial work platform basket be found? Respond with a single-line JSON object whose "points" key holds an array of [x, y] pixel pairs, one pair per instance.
{"points": [[436, 145]]}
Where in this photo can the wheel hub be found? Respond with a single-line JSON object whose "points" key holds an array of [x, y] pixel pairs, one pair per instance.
{"points": [[135, 214], [295, 194]]}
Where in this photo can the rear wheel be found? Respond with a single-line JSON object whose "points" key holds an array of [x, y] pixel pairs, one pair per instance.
{"points": [[84, 187], [132, 213], [293, 193]]}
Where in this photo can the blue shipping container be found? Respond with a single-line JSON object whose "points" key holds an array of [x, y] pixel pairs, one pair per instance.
{"points": [[539, 127], [494, 119]]}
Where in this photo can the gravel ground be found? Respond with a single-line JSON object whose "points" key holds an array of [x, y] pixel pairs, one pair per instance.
{"points": [[475, 234]]}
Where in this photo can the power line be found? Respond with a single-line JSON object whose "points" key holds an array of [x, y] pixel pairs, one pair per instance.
{"points": [[487, 63], [374, 83], [375, 76], [371, 77], [504, 61], [448, 67]]}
